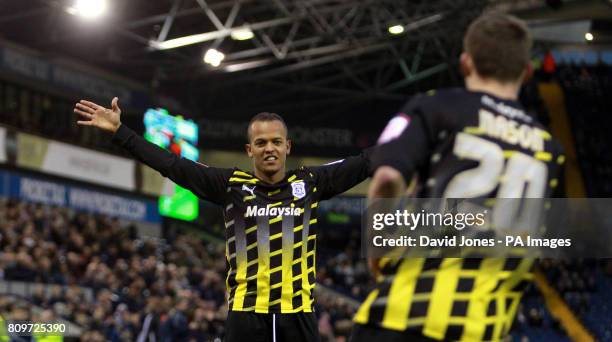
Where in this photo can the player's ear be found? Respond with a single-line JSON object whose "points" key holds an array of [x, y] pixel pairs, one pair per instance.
{"points": [[288, 146], [527, 73], [247, 148], [466, 64]]}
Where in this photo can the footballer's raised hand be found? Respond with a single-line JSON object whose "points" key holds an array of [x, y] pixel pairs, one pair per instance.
{"points": [[95, 115]]}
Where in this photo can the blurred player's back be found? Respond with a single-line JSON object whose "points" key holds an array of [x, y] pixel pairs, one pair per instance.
{"points": [[481, 146], [474, 143]]}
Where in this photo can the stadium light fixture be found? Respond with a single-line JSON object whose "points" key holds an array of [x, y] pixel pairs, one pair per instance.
{"points": [[588, 36], [396, 29], [243, 33], [88, 9], [213, 57]]}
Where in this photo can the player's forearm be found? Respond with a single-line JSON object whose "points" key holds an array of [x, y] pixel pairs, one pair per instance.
{"points": [[150, 154]]}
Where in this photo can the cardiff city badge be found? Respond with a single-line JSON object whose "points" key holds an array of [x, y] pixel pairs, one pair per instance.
{"points": [[299, 189]]}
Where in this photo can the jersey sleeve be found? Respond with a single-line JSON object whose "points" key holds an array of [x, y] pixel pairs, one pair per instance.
{"points": [[337, 177], [406, 141], [206, 182]]}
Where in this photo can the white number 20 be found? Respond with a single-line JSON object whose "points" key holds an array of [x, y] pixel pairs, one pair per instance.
{"points": [[523, 176]]}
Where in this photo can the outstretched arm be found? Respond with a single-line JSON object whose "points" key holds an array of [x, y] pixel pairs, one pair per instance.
{"points": [[206, 182], [337, 177]]}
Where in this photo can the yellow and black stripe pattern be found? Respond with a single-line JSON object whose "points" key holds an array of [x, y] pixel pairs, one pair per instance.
{"points": [[450, 298], [271, 257]]}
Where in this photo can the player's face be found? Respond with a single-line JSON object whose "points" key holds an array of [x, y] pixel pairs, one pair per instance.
{"points": [[268, 147]]}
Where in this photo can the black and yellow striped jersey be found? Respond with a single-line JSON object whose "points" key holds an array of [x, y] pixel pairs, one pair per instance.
{"points": [[271, 229], [461, 144]]}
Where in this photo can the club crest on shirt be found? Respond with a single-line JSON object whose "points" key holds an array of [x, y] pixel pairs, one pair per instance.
{"points": [[298, 189]]}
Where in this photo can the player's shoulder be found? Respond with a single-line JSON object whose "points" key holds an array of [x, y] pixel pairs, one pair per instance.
{"points": [[439, 99], [239, 174]]}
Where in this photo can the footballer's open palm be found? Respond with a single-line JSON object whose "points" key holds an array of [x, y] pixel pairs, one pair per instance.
{"points": [[95, 115]]}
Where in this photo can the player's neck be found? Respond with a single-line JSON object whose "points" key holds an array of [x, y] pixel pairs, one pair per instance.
{"points": [[506, 91], [270, 178]]}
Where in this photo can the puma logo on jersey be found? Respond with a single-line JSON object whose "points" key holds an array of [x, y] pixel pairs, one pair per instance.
{"points": [[249, 190]]}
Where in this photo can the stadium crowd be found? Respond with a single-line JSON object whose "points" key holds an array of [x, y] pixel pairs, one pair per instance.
{"points": [[173, 289]]}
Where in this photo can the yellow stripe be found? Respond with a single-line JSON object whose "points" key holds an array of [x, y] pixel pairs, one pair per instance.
{"points": [[508, 153], [287, 287], [241, 263], [242, 174], [251, 263], [545, 135], [544, 156], [312, 237], [271, 193], [242, 180], [560, 159], [297, 180], [299, 244], [314, 205], [252, 308], [276, 236], [292, 178], [276, 219], [248, 198], [396, 312], [276, 286], [484, 283], [277, 252], [306, 287], [274, 204], [473, 130], [249, 247], [442, 299], [363, 314], [263, 278], [274, 302], [250, 230], [298, 309], [276, 269]]}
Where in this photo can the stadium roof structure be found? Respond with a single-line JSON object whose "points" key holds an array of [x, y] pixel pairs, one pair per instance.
{"points": [[311, 54]]}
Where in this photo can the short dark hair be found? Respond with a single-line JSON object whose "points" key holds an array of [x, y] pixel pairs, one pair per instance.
{"points": [[500, 45], [265, 116]]}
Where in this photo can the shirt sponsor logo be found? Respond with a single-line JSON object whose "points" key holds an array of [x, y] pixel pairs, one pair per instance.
{"points": [[254, 210], [298, 189]]}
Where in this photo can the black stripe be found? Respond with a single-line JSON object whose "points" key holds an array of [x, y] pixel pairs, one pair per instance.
{"points": [[276, 277], [488, 335], [424, 285], [417, 309], [459, 308], [297, 269], [432, 264], [465, 284], [276, 261], [492, 308], [252, 254], [251, 297], [297, 301], [454, 332], [471, 264], [275, 294], [512, 264]]}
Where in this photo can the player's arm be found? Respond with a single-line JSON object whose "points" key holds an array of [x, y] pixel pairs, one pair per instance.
{"points": [[339, 176], [206, 182]]}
